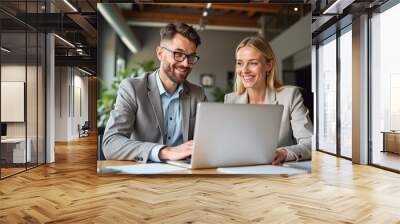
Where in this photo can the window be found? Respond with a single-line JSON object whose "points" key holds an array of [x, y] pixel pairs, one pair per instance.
{"points": [[385, 88], [346, 93], [327, 96]]}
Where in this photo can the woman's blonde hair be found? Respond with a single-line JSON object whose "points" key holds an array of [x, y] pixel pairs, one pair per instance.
{"points": [[263, 46]]}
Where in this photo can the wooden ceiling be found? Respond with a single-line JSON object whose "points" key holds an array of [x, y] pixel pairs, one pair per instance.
{"points": [[218, 14], [84, 6]]}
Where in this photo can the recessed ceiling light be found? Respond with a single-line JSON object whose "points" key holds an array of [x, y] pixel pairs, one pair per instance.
{"points": [[5, 50], [65, 41], [337, 7], [70, 5], [84, 71]]}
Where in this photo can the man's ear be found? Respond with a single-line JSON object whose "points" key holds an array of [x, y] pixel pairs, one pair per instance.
{"points": [[159, 52]]}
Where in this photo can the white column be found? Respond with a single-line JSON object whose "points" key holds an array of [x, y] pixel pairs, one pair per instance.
{"points": [[314, 91], [50, 92], [50, 99], [360, 90]]}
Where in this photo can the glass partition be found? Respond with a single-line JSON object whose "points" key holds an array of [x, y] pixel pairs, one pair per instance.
{"points": [[22, 87], [41, 110], [31, 98], [13, 105]]}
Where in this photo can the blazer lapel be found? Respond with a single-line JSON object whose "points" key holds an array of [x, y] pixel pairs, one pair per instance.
{"points": [[154, 98], [270, 97], [185, 106], [243, 98]]}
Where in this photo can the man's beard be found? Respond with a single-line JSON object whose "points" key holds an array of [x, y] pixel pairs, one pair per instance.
{"points": [[170, 71]]}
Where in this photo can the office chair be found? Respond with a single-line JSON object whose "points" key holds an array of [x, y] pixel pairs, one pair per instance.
{"points": [[84, 130], [100, 154]]}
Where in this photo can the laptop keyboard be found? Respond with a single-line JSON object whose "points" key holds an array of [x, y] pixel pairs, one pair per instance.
{"points": [[187, 160]]}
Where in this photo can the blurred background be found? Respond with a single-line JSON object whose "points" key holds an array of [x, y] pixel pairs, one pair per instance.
{"points": [[128, 35]]}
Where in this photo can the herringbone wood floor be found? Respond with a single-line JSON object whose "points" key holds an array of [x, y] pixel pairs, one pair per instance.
{"points": [[70, 191]]}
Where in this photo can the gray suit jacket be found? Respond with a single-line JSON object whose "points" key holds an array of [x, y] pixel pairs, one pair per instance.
{"points": [[296, 127], [136, 124]]}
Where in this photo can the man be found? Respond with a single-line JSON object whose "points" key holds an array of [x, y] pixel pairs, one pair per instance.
{"points": [[154, 115]]}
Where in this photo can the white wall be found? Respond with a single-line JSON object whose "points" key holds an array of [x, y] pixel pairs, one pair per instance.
{"points": [[61, 103], [217, 52], [80, 110], [295, 41], [69, 82]]}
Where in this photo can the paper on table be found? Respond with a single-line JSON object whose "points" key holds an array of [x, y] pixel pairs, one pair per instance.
{"points": [[300, 165], [147, 168], [261, 169]]}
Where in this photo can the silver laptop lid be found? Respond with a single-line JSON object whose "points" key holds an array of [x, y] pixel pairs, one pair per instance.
{"points": [[235, 134]]}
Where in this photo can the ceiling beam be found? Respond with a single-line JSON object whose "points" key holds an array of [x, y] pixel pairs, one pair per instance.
{"points": [[84, 24], [141, 6], [62, 6], [251, 13], [189, 18], [91, 6], [248, 7], [84, 61]]}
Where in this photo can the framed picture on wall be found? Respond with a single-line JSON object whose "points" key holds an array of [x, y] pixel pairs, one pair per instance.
{"points": [[207, 80]]}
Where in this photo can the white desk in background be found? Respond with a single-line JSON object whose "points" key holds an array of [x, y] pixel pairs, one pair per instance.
{"points": [[13, 150]]}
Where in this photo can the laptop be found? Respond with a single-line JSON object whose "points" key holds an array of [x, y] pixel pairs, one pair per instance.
{"points": [[233, 135]]}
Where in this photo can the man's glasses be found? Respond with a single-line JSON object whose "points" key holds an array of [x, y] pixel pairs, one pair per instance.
{"points": [[179, 56]]}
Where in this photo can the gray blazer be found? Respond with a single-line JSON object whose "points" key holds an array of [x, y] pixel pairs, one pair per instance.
{"points": [[296, 127], [136, 124]]}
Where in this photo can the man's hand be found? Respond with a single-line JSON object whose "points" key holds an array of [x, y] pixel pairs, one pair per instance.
{"points": [[280, 156], [176, 153]]}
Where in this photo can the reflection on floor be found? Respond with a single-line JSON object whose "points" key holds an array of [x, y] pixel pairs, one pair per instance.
{"points": [[386, 159], [11, 169]]}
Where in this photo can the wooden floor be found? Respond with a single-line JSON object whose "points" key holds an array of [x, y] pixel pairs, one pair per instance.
{"points": [[5, 172], [70, 191]]}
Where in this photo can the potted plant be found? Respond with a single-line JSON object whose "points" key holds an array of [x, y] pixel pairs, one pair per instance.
{"points": [[219, 93], [108, 93]]}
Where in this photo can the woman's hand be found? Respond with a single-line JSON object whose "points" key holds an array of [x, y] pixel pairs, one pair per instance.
{"points": [[280, 156]]}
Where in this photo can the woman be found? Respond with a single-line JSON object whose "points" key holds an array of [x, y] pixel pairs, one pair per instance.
{"points": [[256, 83]]}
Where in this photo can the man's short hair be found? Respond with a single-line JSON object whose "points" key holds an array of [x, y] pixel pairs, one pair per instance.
{"points": [[168, 32]]}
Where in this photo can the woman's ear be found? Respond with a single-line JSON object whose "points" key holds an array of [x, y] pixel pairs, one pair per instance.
{"points": [[268, 66]]}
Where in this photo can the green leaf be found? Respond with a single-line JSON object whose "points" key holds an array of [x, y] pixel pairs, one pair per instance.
{"points": [[108, 92]]}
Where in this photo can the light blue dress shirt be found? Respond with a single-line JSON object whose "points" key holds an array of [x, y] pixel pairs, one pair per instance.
{"points": [[172, 112]]}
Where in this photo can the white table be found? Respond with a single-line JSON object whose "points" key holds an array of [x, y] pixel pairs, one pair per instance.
{"points": [[15, 147], [130, 167]]}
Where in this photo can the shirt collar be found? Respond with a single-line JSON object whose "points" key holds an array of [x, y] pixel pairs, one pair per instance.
{"points": [[161, 88]]}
